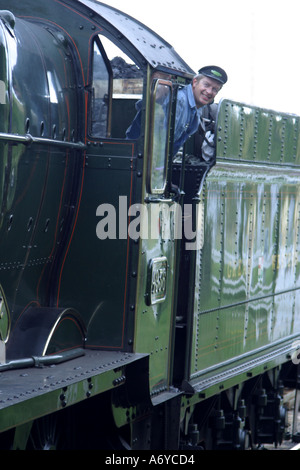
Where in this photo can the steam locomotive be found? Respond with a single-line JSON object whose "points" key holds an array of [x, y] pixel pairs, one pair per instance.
{"points": [[146, 303]]}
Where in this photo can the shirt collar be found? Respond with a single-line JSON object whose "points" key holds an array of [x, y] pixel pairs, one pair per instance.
{"points": [[190, 96], [192, 102]]}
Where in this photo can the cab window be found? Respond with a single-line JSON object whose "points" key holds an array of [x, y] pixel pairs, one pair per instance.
{"points": [[159, 135], [101, 92], [117, 85]]}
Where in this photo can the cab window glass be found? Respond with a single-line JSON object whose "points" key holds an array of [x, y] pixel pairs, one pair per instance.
{"points": [[160, 120], [117, 87], [101, 90]]}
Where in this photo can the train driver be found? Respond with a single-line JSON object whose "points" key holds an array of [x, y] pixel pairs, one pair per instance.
{"points": [[191, 100]]}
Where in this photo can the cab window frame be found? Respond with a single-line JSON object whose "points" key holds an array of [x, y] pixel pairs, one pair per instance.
{"points": [[94, 135], [104, 40], [152, 171]]}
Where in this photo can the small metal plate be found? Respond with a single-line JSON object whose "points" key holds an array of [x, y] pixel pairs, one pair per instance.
{"points": [[157, 280]]}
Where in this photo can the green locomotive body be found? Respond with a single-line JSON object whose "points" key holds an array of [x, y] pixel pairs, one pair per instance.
{"points": [[249, 259], [153, 304]]}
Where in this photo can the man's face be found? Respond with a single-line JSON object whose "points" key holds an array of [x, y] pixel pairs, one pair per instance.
{"points": [[205, 90]]}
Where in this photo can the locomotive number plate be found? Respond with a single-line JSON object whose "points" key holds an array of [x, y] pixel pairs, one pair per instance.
{"points": [[157, 280]]}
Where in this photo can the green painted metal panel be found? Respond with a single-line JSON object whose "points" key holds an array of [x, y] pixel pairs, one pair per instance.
{"points": [[102, 297], [153, 330], [251, 134], [249, 263]]}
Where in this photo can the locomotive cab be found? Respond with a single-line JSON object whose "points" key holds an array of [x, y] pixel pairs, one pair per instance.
{"points": [[80, 195]]}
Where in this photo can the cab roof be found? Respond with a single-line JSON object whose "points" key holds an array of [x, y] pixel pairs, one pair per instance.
{"points": [[156, 51]]}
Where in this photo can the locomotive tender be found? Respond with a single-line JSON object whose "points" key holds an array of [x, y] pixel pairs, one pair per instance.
{"points": [[145, 304]]}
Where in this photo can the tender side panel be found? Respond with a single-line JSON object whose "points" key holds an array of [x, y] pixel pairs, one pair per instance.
{"points": [[247, 273]]}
